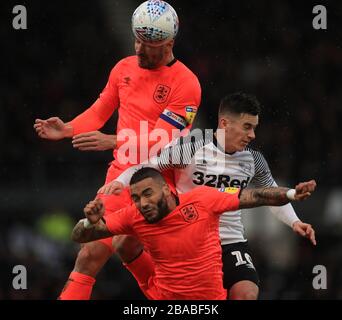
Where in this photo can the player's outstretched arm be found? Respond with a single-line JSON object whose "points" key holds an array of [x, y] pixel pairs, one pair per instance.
{"points": [[305, 230], [94, 141], [178, 155], [92, 227], [53, 129], [275, 196]]}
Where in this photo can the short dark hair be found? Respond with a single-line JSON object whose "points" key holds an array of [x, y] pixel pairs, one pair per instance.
{"points": [[145, 173], [238, 103]]}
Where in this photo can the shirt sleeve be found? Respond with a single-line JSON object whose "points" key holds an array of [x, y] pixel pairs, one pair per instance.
{"points": [[179, 114], [285, 213], [120, 222], [97, 115], [126, 175], [263, 176], [182, 106], [180, 153], [220, 200], [177, 154]]}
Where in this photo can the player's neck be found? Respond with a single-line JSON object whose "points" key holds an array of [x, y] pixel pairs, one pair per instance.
{"points": [[169, 58], [172, 202], [221, 141]]}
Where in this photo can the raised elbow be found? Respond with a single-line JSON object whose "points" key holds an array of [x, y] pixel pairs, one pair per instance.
{"points": [[75, 238], [76, 235]]}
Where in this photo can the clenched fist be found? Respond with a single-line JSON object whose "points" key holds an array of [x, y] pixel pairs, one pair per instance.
{"points": [[94, 210]]}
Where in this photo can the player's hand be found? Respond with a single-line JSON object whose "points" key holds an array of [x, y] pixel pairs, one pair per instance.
{"points": [[113, 187], [305, 230], [94, 141], [94, 211], [304, 190], [53, 128]]}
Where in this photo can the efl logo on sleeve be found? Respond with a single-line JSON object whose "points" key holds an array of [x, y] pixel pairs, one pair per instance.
{"points": [[190, 113], [230, 190]]}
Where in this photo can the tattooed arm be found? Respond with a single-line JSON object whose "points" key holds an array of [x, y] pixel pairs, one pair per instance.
{"points": [[275, 196], [96, 231], [92, 227]]}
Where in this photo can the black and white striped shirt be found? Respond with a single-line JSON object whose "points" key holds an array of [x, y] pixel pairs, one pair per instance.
{"points": [[198, 159]]}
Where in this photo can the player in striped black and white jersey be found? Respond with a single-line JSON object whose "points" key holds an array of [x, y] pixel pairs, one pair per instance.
{"points": [[221, 161]]}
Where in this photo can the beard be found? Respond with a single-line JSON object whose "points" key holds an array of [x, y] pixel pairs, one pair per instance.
{"points": [[152, 63], [163, 210]]}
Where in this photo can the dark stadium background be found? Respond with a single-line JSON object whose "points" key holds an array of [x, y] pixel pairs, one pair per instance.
{"points": [[58, 66]]}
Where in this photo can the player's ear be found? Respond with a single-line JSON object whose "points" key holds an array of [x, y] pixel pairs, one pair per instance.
{"points": [[169, 45], [223, 122], [166, 189]]}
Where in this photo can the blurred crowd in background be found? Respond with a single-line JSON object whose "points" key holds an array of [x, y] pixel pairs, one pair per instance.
{"points": [[59, 65]]}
